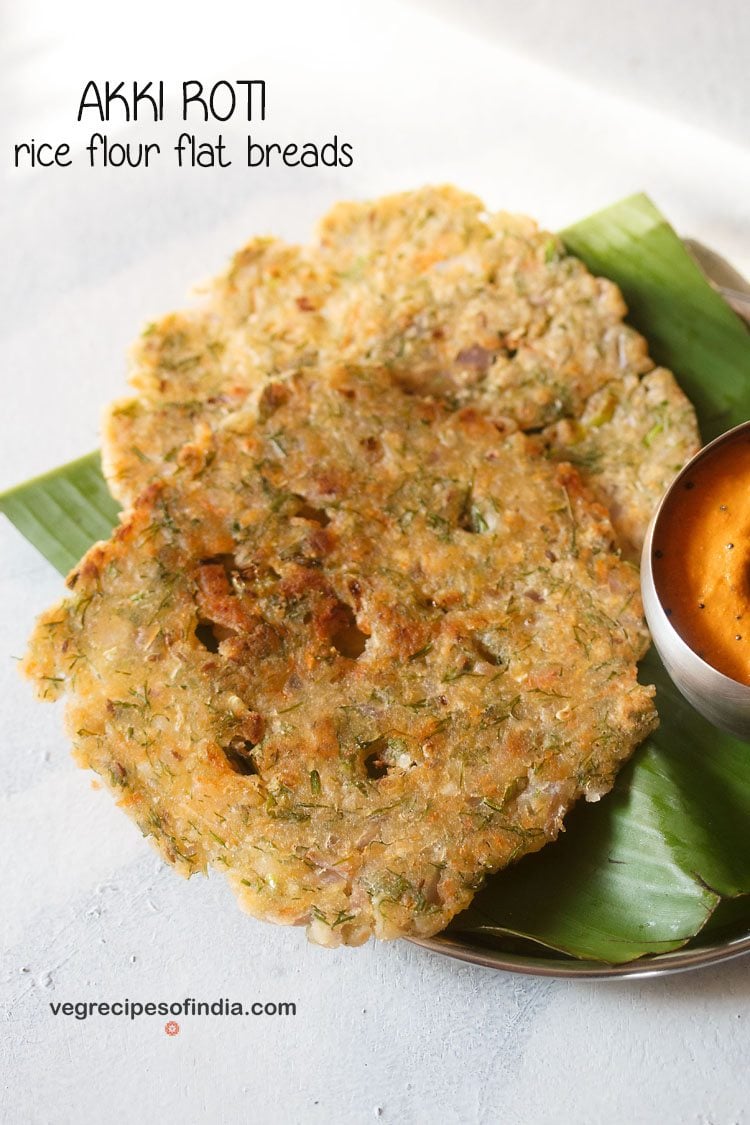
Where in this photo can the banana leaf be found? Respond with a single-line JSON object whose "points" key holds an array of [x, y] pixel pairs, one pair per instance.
{"points": [[645, 870], [666, 856], [689, 327], [64, 511]]}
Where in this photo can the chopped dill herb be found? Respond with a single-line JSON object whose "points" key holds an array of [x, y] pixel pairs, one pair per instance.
{"points": [[342, 918]]}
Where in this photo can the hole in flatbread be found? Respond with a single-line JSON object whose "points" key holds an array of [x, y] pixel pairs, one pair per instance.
{"points": [[210, 635], [239, 755], [227, 561], [204, 631], [307, 511], [349, 640], [376, 765]]}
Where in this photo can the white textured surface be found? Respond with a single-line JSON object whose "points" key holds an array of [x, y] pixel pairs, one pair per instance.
{"points": [[88, 911], [683, 56]]}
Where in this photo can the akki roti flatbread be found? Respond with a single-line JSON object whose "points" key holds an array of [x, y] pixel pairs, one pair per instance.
{"points": [[483, 307], [361, 648]]}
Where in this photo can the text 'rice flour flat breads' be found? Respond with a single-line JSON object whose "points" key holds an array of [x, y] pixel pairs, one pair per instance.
{"points": [[485, 307], [361, 650]]}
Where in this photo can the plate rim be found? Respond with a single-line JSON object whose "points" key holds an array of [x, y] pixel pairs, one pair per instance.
{"points": [[656, 965]]}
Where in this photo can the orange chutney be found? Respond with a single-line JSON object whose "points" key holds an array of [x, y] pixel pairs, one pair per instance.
{"points": [[701, 558]]}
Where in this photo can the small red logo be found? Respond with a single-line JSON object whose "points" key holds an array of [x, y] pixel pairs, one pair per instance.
{"points": [[172, 1028]]}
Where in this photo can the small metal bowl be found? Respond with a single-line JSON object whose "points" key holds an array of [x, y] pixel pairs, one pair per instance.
{"points": [[722, 700]]}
